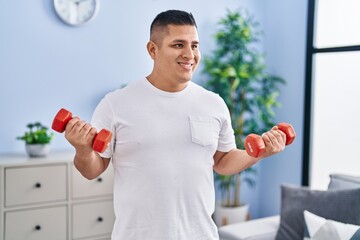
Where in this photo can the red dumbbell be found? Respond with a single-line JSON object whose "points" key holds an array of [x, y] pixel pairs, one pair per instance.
{"points": [[101, 140], [255, 145]]}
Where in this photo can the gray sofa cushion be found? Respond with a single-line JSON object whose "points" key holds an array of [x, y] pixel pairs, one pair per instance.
{"points": [[341, 181], [338, 205]]}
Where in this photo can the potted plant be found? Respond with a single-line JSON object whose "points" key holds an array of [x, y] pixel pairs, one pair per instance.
{"points": [[37, 140], [236, 71]]}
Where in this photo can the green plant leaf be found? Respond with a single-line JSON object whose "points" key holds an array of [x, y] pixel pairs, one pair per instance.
{"points": [[236, 70], [38, 136]]}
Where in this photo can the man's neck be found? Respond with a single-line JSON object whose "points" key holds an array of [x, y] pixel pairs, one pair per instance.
{"points": [[166, 85]]}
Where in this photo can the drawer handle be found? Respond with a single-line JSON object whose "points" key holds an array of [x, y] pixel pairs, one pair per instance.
{"points": [[37, 227], [100, 179], [38, 185], [100, 219]]}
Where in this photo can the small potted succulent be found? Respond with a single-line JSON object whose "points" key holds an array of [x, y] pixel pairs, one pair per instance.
{"points": [[37, 140]]}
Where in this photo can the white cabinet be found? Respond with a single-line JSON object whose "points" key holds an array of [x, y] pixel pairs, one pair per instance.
{"points": [[36, 184], [47, 198], [91, 219], [37, 223], [83, 188]]}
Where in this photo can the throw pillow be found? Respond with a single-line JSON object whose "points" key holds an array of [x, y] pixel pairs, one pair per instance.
{"points": [[341, 181], [319, 228], [337, 205]]}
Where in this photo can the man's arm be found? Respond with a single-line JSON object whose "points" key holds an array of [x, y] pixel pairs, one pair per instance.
{"points": [[232, 162], [237, 160], [90, 165], [81, 135]]}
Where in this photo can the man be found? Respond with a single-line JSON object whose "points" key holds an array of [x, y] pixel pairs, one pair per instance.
{"points": [[168, 136]]}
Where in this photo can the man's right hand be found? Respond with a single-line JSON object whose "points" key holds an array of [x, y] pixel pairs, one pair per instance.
{"points": [[80, 134]]}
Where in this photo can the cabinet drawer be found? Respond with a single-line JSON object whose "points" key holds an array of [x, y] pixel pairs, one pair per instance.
{"points": [[92, 219], [35, 184], [83, 188], [46, 223]]}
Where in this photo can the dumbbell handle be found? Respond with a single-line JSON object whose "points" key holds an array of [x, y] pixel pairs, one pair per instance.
{"points": [[255, 146], [101, 140]]}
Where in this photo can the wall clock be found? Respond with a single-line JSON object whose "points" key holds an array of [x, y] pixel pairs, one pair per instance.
{"points": [[76, 12]]}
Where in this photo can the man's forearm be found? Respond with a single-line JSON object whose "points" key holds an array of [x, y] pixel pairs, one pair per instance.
{"points": [[89, 164], [237, 160], [233, 162]]}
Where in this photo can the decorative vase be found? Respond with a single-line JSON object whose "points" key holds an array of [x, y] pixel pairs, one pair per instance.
{"points": [[228, 215], [37, 150]]}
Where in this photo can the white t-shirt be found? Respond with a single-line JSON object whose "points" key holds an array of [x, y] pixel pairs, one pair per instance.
{"points": [[162, 153]]}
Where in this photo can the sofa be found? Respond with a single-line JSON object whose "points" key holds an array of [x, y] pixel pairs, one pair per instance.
{"points": [[307, 214]]}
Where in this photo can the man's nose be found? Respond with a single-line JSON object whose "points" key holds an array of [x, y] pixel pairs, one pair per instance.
{"points": [[188, 53]]}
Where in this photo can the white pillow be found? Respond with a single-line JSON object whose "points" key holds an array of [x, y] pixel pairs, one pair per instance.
{"points": [[319, 228]]}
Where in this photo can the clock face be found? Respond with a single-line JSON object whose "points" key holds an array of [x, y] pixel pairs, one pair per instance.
{"points": [[76, 12]]}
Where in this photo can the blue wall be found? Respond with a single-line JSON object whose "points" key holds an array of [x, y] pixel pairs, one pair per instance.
{"points": [[46, 65], [285, 45]]}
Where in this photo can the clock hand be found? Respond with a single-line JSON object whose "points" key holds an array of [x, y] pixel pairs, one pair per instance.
{"points": [[77, 10], [74, 12], [79, 1]]}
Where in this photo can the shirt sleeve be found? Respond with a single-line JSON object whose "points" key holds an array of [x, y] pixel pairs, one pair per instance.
{"points": [[226, 140], [103, 119]]}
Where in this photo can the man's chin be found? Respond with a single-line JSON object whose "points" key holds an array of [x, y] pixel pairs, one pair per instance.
{"points": [[187, 78]]}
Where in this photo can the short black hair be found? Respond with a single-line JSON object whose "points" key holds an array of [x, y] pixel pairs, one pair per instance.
{"points": [[174, 17]]}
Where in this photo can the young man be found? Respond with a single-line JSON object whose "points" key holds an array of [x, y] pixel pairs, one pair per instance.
{"points": [[169, 136]]}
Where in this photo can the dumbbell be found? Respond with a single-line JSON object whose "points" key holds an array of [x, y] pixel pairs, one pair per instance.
{"points": [[101, 140], [255, 146]]}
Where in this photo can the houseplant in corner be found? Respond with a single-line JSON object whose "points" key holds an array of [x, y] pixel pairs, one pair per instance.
{"points": [[37, 140], [236, 71]]}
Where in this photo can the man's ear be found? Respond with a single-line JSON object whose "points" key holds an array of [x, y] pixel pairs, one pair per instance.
{"points": [[152, 49]]}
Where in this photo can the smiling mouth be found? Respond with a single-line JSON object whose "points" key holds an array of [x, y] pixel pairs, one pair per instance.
{"points": [[186, 65]]}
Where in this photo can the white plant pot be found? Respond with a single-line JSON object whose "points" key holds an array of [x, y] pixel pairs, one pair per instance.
{"points": [[37, 150], [229, 215]]}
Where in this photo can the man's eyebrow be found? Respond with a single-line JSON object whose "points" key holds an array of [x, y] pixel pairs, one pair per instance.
{"points": [[184, 41]]}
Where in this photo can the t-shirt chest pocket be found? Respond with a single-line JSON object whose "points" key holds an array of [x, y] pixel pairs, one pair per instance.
{"points": [[202, 130]]}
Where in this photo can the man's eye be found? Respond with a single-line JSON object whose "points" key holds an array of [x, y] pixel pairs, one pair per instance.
{"points": [[194, 47], [179, 45]]}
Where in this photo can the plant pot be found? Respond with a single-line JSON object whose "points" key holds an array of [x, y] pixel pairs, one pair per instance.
{"points": [[229, 215], [37, 150]]}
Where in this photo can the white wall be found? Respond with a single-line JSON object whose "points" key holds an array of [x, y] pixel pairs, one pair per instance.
{"points": [[285, 45]]}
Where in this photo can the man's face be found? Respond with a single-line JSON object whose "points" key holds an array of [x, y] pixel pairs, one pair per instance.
{"points": [[177, 55]]}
